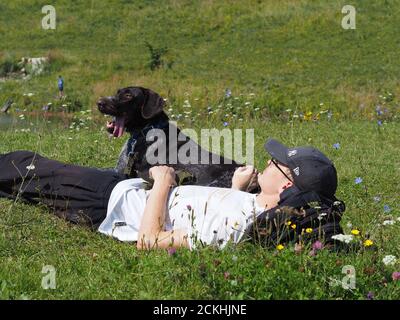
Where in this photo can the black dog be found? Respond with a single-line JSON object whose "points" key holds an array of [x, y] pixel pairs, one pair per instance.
{"points": [[137, 110]]}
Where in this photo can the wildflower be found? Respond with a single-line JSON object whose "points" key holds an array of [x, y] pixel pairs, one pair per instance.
{"points": [[396, 276], [377, 198], [379, 123], [171, 251], [317, 245], [293, 226], [234, 258], [349, 225], [368, 243], [225, 124], [226, 275], [336, 146], [309, 230], [189, 207], [329, 115], [389, 260], [298, 248], [370, 295], [288, 223], [386, 208], [388, 222], [355, 232], [347, 238], [280, 247], [31, 167], [228, 93], [358, 180]]}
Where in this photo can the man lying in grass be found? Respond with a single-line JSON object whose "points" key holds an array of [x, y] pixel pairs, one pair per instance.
{"points": [[182, 216]]}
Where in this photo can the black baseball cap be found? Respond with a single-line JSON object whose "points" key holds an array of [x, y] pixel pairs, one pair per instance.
{"points": [[310, 168]]}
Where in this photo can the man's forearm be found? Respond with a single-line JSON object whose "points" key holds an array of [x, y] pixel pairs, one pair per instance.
{"points": [[154, 214]]}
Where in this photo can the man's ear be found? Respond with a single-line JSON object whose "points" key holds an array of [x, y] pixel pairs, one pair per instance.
{"points": [[153, 104]]}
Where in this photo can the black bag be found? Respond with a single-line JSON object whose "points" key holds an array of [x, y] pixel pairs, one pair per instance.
{"points": [[299, 217]]}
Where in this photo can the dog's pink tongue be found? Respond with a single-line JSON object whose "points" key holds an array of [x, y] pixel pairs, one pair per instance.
{"points": [[119, 126]]}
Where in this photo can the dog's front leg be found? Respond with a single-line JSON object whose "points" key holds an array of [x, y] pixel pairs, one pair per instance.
{"points": [[122, 159]]}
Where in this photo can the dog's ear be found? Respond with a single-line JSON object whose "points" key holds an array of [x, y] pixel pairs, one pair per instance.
{"points": [[153, 105]]}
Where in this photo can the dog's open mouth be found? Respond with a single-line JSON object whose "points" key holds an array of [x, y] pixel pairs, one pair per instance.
{"points": [[116, 127]]}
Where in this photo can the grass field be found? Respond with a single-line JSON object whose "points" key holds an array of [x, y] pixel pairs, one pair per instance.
{"points": [[294, 74]]}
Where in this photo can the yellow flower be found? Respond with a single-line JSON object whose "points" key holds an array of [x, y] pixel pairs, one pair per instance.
{"points": [[309, 230], [293, 226], [280, 247], [355, 232], [308, 115], [288, 223], [368, 243]]}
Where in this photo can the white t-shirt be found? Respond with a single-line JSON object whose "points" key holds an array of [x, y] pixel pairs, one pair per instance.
{"points": [[210, 215]]}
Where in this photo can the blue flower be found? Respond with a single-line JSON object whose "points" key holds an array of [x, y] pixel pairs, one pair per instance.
{"points": [[379, 123], [386, 208], [337, 146], [228, 93], [225, 124], [358, 180]]}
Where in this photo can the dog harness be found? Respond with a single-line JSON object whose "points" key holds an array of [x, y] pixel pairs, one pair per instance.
{"points": [[135, 135]]}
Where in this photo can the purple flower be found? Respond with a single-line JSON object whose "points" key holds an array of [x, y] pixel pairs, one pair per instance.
{"points": [[337, 146], [317, 245], [171, 251], [370, 295], [386, 208], [379, 123], [396, 276], [358, 180], [225, 124], [228, 93]]}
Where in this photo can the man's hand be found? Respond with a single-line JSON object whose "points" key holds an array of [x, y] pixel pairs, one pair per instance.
{"points": [[163, 174], [244, 178]]}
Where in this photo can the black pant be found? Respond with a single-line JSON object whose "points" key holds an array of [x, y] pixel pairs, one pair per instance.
{"points": [[77, 194]]}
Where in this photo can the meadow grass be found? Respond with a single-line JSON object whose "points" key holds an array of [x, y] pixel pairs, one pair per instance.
{"points": [[91, 266], [294, 75]]}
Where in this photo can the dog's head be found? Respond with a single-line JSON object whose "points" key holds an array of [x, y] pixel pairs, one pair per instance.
{"points": [[132, 107]]}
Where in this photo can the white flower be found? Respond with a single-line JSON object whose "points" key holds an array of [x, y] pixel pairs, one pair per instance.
{"points": [[347, 238], [388, 222], [389, 260], [31, 167]]}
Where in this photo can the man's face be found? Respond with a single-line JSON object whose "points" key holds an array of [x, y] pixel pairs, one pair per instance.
{"points": [[272, 180]]}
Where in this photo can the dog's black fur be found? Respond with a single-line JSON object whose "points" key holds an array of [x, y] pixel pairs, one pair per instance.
{"points": [[141, 107]]}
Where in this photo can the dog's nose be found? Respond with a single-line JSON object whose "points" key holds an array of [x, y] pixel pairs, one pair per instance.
{"points": [[101, 104]]}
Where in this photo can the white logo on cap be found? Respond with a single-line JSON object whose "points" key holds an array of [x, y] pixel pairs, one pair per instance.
{"points": [[296, 171], [292, 153]]}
